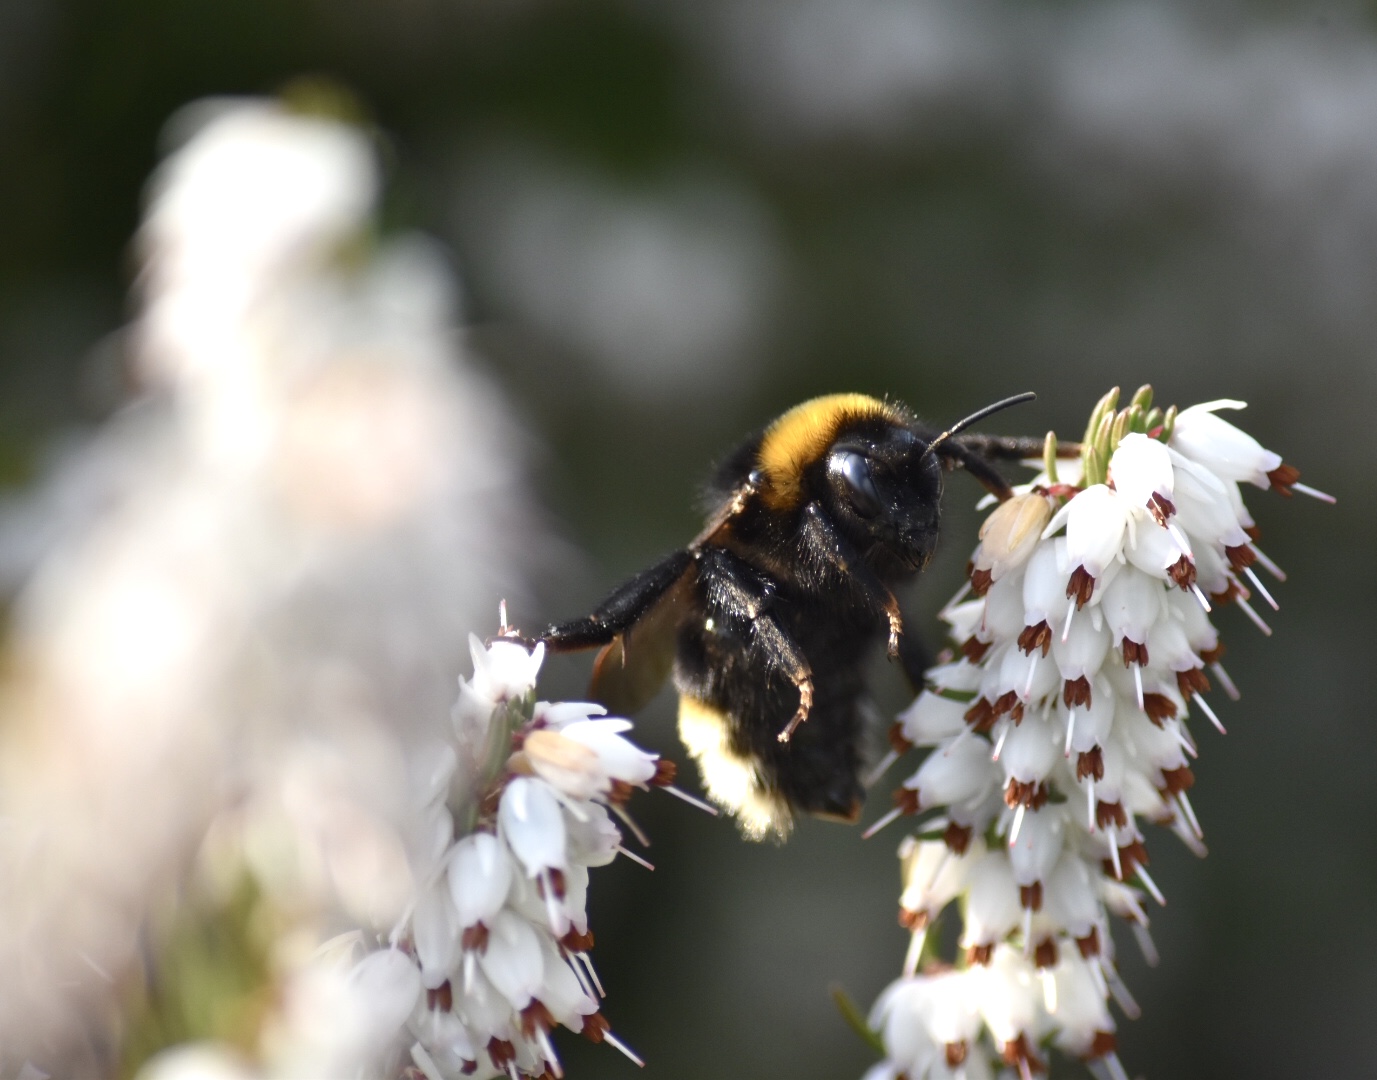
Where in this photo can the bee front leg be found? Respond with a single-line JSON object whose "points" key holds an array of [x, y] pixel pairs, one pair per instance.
{"points": [[628, 604], [738, 596], [840, 556]]}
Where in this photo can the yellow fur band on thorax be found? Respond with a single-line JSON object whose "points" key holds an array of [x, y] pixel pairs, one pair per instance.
{"points": [[800, 437]]}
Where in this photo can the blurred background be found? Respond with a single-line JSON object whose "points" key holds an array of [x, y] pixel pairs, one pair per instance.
{"points": [[654, 227]]}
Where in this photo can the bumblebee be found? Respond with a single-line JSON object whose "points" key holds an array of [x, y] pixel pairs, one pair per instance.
{"points": [[769, 615]]}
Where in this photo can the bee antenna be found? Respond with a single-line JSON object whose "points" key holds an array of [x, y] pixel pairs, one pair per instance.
{"points": [[979, 414]]}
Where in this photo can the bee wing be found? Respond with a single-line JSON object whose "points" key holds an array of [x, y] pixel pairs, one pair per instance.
{"points": [[632, 667]]}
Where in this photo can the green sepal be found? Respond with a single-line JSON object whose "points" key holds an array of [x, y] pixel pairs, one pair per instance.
{"points": [[1049, 457], [852, 1015], [1168, 424]]}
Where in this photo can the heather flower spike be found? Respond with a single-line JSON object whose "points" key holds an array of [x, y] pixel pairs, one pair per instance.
{"points": [[1059, 732], [494, 952]]}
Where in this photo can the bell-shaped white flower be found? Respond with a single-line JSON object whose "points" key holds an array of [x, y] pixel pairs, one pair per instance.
{"points": [[435, 933], [1081, 1013], [618, 758], [480, 875], [513, 961], [1203, 506], [960, 773], [1132, 602], [1218, 446], [931, 719], [1141, 471], [1082, 652], [1096, 521], [1034, 852], [933, 874], [1044, 585], [1088, 725], [504, 671], [1010, 996], [386, 984], [1030, 750], [532, 822], [993, 910], [1010, 534]]}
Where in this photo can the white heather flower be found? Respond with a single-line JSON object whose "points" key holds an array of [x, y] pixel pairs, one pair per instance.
{"points": [[1223, 449], [1010, 534], [497, 934], [1095, 521], [1059, 732]]}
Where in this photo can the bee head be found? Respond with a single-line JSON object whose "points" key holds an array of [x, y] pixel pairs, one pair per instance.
{"points": [[883, 492]]}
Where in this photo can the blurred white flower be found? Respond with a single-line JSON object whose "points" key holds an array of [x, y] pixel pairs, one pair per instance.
{"points": [[233, 627]]}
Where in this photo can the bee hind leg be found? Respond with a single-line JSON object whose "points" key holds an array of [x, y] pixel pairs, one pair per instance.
{"points": [[738, 595]]}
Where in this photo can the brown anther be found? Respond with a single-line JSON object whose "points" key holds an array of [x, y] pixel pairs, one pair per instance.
{"points": [[957, 838], [475, 938], [595, 1026], [533, 1016], [1159, 708], [1045, 955], [1006, 702], [981, 580], [906, 799], [1103, 1044], [1110, 813], [502, 1052], [1090, 763], [1081, 586], [1160, 508], [665, 772], [897, 741], [1135, 652], [980, 955], [1182, 572], [573, 941], [1131, 856], [1036, 637], [1030, 896], [468, 1068], [441, 999], [914, 920], [620, 792], [1213, 656], [1032, 794], [1230, 592], [1254, 533], [1175, 781], [1191, 681], [981, 715], [1090, 944], [1018, 1050], [1076, 692], [1241, 556], [557, 882], [1282, 477], [956, 1054], [974, 650]]}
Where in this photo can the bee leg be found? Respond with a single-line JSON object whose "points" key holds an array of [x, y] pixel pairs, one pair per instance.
{"points": [[627, 605], [1011, 447], [738, 596], [828, 544]]}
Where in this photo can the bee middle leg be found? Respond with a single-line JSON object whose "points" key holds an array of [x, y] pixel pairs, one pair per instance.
{"points": [[738, 595]]}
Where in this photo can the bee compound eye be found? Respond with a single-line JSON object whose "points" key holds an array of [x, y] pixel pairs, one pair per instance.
{"points": [[857, 482]]}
